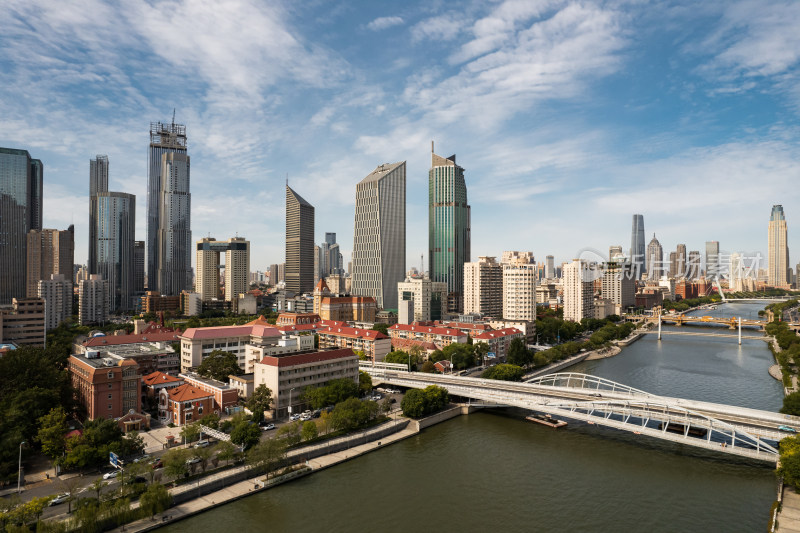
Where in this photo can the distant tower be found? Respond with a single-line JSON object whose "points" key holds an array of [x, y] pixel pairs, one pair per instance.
{"points": [[778, 249], [712, 259], [655, 259], [449, 240], [379, 238], [637, 246], [174, 237], [299, 273], [114, 247], [98, 182]]}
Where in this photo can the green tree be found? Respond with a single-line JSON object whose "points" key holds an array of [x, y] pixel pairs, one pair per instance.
{"points": [[259, 402], [380, 326], [309, 430], [291, 432], [205, 455], [481, 351], [219, 365], [460, 355], [245, 434], [414, 403], [436, 356], [51, 436], [175, 463], [504, 372], [791, 404], [156, 499], [364, 382], [225, 450], [518, 353], [210, 420], [267, 455], [428, 367], [399, 357]]}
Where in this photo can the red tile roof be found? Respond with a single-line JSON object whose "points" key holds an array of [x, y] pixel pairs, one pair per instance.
{"points": [[186, 393], [407, 343], [450, 332], [159, 377], [496, 334], [343, 331], [231, 331], [321, 286], [322, 324], [114, 340], [306, 358]]}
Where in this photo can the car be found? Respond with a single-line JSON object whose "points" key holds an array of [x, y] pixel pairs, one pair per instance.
{"points": [[142, 458], [294, 417], [267, 427], [202, 444], [111, 475], [787, 429], [316, 413], [193, 461], [157, 463], [305, 417], [61, 498]]}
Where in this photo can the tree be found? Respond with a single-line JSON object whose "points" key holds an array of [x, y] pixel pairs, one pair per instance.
{"points": [[504, 372], [380, 326], [428, 367], [156, 499], [246, 434], [51, 435], [219, 365], [399, 357], [518, 353], [291, 432], [259, 402], [175, 463], [190, 432], [309, 430], [267, 455], [481, 351], [364, 382], [204, 454], [418, 403], [210, 420], [131, 445], [97, 487], [413, 403], [225, 450], [436, 356], [460, 355], [791, 404]]}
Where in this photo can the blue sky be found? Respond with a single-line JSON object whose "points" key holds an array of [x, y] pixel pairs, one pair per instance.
{"points": [[567, 116]]}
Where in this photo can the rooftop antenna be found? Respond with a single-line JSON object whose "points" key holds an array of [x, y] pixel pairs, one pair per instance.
{"points": [[421, 264], [431, 146], [287, 179], [173, 116]]}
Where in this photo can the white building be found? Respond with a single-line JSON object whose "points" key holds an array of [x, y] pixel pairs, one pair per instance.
{"points": [[57, 295], [578, 291], [94, 304], [519, 286], [483, 287], [619, 285], [428, 299]]}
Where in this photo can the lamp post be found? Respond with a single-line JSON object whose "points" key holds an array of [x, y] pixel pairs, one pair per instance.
{"points": [[290, 400], [19, 470]]}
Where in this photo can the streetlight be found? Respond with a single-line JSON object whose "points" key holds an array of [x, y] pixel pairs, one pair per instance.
{"points": [[290, 400], [19, 470]]}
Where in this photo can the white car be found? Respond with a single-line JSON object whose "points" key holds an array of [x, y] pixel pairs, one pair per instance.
{"points": [[294, 417], [267, 427], [111, 475], [202, 444], [61, 498]]}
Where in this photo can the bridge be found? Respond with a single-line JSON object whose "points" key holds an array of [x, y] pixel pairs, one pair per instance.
{"points": [[698, 334], [738, 431], [730, 322]]}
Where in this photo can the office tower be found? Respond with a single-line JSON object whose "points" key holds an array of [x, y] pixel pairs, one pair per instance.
{"points": [[237, 267], [638, 252], [138, 267], [519, 286], [20, 212], [483, 287], [273, 274], [320, 266], [673, 264], [282, 273], [299, 270], [655, 259], [615, 252], [94, 300], [335, 260], [330, 238], [778, 249], [57, 295], [174, 265], [206, 284], [618, 285], [712, 259], [737, 273], [98, 182], [379, 236], [426, 299], [693, 265], [50, 251], [549, 267], [449, 238], [678, 262], [578, 291], [164, 139], [114, 237]]}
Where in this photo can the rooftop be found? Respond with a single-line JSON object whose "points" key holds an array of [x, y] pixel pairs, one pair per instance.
{"points": [[206, 381], [114, 340], [495, 334], [343, 331], [231, 331], [159, 377], [451, 332], [306, 358], [186, 393]]}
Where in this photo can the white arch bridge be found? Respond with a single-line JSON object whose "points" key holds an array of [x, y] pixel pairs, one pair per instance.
{"points": [[722, 428]]}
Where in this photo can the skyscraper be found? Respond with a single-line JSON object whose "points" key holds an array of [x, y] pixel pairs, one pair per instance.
{"points": [[114, 230], [519, 286], [50, 251], [615, 252], [712, 259], [693, 266], [299, 270], [778, 249], [174, 243], [578, 291], [138, 267], [449, 238], [679, 263], [637, 254], [20, 212], [483, 287], [655, 259], [379, 237], [98, 182], [164, 139], [237, 267], [550, 267]]}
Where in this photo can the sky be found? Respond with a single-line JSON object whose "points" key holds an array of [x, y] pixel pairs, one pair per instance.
{"points": [[568, 117]]}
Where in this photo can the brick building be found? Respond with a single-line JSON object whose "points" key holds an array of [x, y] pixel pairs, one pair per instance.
{"points": [[374, 344], [108, 387]]}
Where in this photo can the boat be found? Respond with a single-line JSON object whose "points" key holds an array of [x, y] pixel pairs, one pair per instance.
{"points": [[546, 420]]}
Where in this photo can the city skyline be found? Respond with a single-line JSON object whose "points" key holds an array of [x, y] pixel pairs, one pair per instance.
{"points": [[645, 104]]}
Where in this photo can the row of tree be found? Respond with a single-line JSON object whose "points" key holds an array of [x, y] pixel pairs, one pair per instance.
{"points": [[418, 403]]}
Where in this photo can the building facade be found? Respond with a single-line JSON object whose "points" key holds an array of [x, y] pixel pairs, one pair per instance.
{"points": [[299, 270], [777, 249], [174, 238], [374, 344], [578, 291], [519, 286], [483, 287], [108, 387], [115, 235], [50, 252], [449, 239], [57, 295], [655, 259], [428, 299], [98, 182], [94, 300], [23, 322], [619, 286], [637, 252], [237, 267], [379, 237]]}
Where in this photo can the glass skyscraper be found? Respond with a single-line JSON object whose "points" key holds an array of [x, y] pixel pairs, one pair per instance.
{"points": [[21, 181], [98, 182], [174, 238], [164, 139], [448, 227], [299, 273], [778, 249], [114, 246], [637, 246]]}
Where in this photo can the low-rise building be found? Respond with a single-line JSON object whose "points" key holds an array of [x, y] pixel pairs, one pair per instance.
{"points": [[406, 345], [243, 383], [154, 301], [292, 319], [152, 351], [108, 387], [197, 343], [440, 336], [499, 341], [374, 344], [23, 322], [153, 384], [288, 375], [224, 395], [185, 404]]}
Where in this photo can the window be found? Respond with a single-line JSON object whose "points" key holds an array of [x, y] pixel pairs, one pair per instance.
{"points": [[110, 396], [109, 407], [110, 375], [200, 410], [110, 386]]}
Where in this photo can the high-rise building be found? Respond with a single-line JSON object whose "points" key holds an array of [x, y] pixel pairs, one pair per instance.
{"points": [[693, 265], [655, 259], [50, 251], [93, 300], [299, 270], [379, 236], [174, 266], [273, 274], [237, 267], [736, 273], [615, 252], [618, 285], [23, 322], [712, 259], [114, 237], [778, 249], [98, 182], [449, 239], [678, 262], [57, 295], [206, 284], [519, 286], [138, 266], [578, 291], [164, 139], [20, 211], [549, 267], [282, 273], [483, 287], [637, 252], [428, 299]]}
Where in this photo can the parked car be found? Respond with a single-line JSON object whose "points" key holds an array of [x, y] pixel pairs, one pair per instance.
{"points": [[111, 475], [201, 444], [193, 461], [157, 463], [142, 458], [305, 417], [267, 427], [294, 417], [61, 498]]}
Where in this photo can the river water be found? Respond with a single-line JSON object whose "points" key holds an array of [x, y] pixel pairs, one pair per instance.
{"points": [[494, 471]]}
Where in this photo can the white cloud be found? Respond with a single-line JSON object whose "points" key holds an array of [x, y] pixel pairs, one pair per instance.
{"points": [[382, 23], [438, 28]]}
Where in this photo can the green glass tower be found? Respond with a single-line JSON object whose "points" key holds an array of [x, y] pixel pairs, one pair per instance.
{"points": [[448, 227]]}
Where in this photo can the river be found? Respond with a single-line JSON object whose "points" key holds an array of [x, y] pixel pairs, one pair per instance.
{"points": [[494, 471]]}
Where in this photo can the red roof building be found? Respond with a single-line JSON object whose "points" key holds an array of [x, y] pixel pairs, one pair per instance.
{"points": [[440, 336], [186, 404], [499, 341], [374, 344]]}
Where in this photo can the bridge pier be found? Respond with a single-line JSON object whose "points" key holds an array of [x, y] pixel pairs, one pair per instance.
{"points": [[659, 327], [740, 331]]}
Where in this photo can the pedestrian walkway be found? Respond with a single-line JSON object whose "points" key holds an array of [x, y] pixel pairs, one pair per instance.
{"points": [[789, 516]]}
